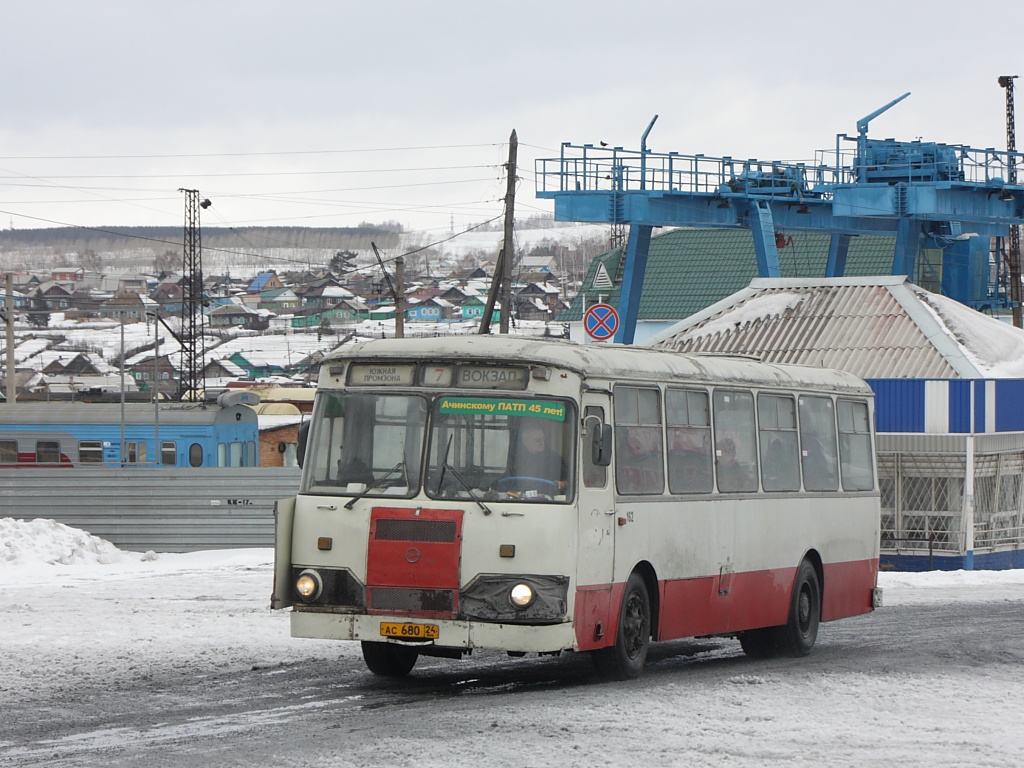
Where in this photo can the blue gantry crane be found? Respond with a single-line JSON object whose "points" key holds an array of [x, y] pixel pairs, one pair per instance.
{"points": [[943, 202]]}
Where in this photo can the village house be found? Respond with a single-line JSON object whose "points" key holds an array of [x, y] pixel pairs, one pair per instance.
{"points": [[238, 316], [131, 307], [265, 281]]}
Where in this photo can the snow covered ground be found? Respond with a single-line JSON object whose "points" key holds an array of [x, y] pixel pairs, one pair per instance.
{"points": [[80, 620]]}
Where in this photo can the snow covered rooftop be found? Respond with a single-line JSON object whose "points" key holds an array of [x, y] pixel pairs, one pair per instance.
{"points": [[874, 327]]}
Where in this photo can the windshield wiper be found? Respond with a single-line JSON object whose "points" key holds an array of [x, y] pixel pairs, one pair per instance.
{"points": [[446, 467], [376, 483], [458, 476]]}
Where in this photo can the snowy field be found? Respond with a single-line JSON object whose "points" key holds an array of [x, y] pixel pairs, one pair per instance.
{"points": [[84, 623]]}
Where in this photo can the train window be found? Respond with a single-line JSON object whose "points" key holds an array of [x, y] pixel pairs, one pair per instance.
{"points": [[222, 454], [136, 452], [168, 453], [90, 451], [8, 451], [47, 451], [235, 454], [250, 454], [195, 455]]}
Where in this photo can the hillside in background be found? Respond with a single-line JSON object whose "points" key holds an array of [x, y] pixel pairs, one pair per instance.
{"points": [[248, 250]]}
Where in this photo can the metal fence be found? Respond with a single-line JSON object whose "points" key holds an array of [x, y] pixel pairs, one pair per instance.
{"points": [[165, 510], [953, 494]]}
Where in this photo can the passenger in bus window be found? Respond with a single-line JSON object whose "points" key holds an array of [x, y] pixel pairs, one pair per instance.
{"points": [[534, 458], [640, 466], [689, 460], [819, 468], [732, 476]]}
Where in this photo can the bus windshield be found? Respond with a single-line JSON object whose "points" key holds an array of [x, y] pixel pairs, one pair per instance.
{"points": [[365, 444], [509, 449]]}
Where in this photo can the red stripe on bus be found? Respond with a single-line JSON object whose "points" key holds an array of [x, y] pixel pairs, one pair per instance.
{"points": [[713, 605]]}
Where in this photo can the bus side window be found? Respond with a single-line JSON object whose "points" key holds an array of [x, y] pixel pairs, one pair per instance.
{"points": [[689, 441], [596, 448], [855, 446], [818, 443], [780, 451], [639, 458], [735, 441]]}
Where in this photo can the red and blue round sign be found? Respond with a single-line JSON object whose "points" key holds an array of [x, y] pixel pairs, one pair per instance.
{"points": [[601, 322]]}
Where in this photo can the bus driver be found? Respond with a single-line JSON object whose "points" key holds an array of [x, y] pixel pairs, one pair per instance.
{"points": [[533, 457]]}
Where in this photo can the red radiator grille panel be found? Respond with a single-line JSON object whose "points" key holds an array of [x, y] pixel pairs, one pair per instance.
{"points": [[413, 560]]}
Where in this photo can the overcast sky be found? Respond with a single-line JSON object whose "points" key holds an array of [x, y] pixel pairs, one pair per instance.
{"points": [[330, 113]]}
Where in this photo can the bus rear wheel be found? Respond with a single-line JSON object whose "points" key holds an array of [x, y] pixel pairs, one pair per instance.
{"points": [[797, 636], [625, 660], [388, 659]]}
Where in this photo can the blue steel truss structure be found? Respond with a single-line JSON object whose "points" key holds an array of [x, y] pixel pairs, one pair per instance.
{"points": [[943, 203]]}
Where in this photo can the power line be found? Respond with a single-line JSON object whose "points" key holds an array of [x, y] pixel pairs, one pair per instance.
{"points": [[250, 154]]}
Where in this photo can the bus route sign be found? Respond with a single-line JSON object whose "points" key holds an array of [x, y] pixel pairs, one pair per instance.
{"points": [[601, 322]]}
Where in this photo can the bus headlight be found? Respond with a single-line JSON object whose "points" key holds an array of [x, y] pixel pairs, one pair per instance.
{"points": [[309, 585], [521, 595]]}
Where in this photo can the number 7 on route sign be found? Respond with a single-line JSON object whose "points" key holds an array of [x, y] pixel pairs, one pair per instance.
{"points": [[601, 322]]}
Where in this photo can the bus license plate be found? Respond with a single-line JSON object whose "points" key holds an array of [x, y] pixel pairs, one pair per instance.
{"points": [[406, 631]]}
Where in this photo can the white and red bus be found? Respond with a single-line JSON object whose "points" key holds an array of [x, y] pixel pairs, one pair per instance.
{"points": [[539, 496]]}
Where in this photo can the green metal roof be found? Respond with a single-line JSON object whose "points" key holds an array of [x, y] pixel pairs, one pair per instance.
{"points": [[690, 269]]}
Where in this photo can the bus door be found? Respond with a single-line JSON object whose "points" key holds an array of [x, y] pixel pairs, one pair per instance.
{"points": [[596, 521]]}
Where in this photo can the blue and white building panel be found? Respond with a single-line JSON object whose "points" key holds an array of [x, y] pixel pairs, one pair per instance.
{"points": [[949, 406]]}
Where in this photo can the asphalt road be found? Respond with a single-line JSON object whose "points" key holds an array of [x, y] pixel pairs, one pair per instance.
{"points": [[328, 710]]}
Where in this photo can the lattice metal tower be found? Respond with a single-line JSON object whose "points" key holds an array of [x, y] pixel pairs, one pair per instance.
{"points": [[1013, 256], [193, 352]]}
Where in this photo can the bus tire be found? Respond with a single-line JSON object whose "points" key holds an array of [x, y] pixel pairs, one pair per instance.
{"points": [[797, 637], [625, 659], [388, 659]]}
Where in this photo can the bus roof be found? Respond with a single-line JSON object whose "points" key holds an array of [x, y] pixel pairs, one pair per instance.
{"points": [[605, 361]]}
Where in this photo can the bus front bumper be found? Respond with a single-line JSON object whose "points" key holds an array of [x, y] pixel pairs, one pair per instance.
{"points": [[451, 634]]}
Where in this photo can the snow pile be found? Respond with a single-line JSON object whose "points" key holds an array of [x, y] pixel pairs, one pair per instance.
{"points": [[47, 542]]}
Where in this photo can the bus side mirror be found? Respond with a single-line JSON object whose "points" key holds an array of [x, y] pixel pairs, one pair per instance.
{"points": [[300, 449], [601, 444]]}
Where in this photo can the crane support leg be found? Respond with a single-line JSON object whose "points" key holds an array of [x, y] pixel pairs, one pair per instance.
{"points": [[838, 247], [908, 233], [763, 226], [637, 246]]}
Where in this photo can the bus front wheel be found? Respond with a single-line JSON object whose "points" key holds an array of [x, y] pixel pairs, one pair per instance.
{"points": [[625, 660], [388, 659]]}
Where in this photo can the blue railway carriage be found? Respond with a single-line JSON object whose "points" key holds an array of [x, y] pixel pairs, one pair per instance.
{"points": [[220, 434]]}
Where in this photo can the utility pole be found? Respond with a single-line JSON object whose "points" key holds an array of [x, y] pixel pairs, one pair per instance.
{"points": [[399, 298], [193, 318], [1013, 256], [510, 210], [12, 384], [398, 293]]}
